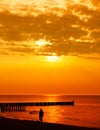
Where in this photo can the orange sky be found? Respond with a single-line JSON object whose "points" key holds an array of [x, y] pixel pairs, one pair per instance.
{"points": [[25, 75], [50, 47]]}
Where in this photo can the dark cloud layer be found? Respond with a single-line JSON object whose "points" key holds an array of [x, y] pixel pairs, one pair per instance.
{"points": [[18, 28]]}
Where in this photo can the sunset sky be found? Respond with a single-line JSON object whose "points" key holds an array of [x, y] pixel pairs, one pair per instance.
{"points": [[49, 46]]}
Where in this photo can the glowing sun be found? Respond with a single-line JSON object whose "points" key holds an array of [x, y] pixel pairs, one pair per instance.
{"points": [[52, 58]]}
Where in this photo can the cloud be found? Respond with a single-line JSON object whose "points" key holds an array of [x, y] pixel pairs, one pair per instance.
{"points": [[18, 28], [96, 3], [73, 28]]}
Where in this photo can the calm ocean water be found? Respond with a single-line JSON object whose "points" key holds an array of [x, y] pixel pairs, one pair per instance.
{"points": [[85, 112]]}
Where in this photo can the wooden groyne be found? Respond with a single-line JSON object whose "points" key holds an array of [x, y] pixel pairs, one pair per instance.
{"points": [[20, 106]]}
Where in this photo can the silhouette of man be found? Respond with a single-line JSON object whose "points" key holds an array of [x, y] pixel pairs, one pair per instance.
{"points": [[41, 113]]}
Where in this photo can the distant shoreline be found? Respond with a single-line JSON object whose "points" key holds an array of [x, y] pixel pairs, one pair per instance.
{"points": [[15, 124]]}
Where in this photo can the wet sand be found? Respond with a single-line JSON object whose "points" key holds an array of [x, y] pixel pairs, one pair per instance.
{"points": [[15, 124]]}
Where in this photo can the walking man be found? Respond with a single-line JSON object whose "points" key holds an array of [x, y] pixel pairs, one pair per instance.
{"points": [[41, 114]]}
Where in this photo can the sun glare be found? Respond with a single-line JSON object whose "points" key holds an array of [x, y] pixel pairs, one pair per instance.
{"points": [[42, 42], [52, 58]]}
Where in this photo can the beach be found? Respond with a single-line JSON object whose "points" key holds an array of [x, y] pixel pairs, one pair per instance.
{"points": [[15, 124], [85, 112]]}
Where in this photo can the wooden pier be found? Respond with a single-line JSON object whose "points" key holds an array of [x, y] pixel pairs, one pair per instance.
{"points": [[20, 106]]}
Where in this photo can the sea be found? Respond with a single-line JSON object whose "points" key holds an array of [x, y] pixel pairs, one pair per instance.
{"points": [[85, 112]]}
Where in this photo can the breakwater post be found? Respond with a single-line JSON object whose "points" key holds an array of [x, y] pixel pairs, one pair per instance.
{"points": [[6, 107], [16, 107]]}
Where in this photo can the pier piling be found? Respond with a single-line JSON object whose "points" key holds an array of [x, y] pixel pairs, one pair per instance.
{"points": [[20, 106]]}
